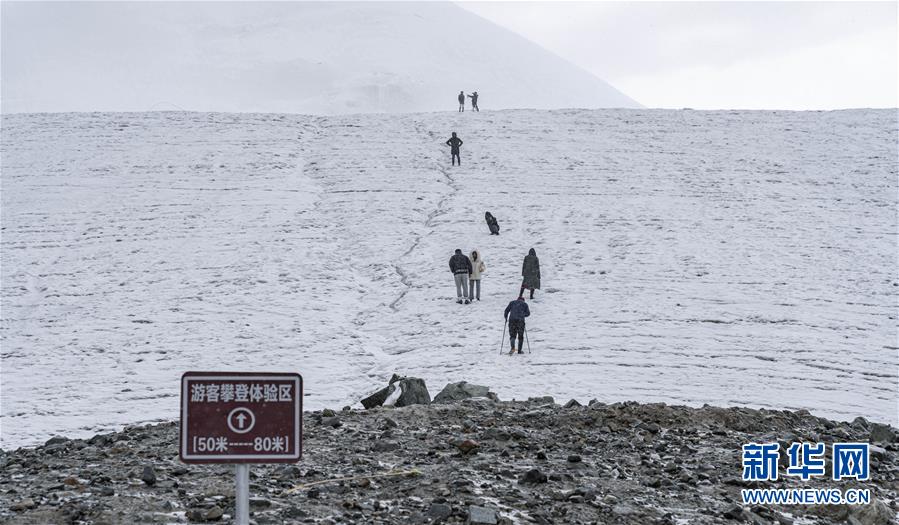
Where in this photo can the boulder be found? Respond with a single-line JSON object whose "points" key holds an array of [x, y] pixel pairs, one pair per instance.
{"points": [[572, 403], [24, 504], [532, 476], [875, 513], [148, 476], [623, 509], [203, 515], [383, 445], [377, 399], [415, 392], [56, 440], [214, 514], [400, 392], [882, 433], [439, 512], [481, 516], [736, 513], [468, 447], [463, 390], [333, 422]]}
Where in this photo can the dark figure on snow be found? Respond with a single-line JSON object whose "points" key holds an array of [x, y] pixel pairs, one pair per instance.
{"points": [[474, 101], [530, 271], [460, 265], [454, 142], [491, 223], [461, 101], [515, 314]]}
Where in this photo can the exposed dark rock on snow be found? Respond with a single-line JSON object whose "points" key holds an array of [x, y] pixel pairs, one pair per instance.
{"points": [[400, 392], [474, 461], [463, 390]]}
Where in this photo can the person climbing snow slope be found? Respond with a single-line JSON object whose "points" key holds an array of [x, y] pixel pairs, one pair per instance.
{"points": [[474, 278], [530, 272], [460, 265], [491, 223], [515, 314], [454, 142]]}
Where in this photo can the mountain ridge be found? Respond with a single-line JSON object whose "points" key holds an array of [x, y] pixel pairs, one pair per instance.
{"points": [[336, 58]]}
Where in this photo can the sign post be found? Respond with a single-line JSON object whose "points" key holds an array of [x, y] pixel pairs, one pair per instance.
{"points": [[242, 494], [241, 418]]}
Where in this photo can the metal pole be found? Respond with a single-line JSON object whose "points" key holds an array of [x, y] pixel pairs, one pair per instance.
{"points": [[242, 494], [526, 338], [503, 340]]}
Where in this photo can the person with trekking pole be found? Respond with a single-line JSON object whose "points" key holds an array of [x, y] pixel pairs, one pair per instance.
{"points": [[515, 314], [526, 340]]}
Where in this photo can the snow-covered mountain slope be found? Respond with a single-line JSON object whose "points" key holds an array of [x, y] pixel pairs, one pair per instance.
{"points": [[296, 57], [687, 257]]}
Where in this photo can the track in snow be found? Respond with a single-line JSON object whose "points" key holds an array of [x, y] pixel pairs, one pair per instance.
{"points": [[688, 257]]}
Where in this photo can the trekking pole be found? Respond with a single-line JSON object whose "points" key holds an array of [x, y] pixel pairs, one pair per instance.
{"points": [[526, 338], [503, 340]]}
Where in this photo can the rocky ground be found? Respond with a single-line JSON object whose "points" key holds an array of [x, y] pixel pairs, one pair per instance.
{"points": [[477, 461]]}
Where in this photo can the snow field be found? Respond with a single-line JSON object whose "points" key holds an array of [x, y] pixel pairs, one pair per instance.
{"points": [[688, 257]]}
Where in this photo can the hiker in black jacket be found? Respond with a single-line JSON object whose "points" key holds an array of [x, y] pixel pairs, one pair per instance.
{"points": [[461, 98], [454, 142], [474, 101], [530, 273], [460, 265], [515, 314]]}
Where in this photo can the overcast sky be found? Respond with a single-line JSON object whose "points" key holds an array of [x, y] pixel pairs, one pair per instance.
{"points": [[710, 55]]}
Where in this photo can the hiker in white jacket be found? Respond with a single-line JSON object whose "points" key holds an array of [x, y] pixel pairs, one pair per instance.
{"points": [[474, 278]]}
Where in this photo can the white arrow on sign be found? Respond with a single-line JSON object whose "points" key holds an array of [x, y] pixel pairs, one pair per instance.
{"points": [[241, 420]]}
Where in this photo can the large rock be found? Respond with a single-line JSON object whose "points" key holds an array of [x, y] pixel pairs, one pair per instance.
{"points": [[148, 476], [439, 512], [880, 433], [415, 392], [400, 392], [24, 504], [204, 515], [56, 440], [481, 516], [532, 476], [377, 399], [462, 390], [875, 513]]}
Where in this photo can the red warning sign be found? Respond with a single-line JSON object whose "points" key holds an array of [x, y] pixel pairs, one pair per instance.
{"points": [[241, 417]]}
